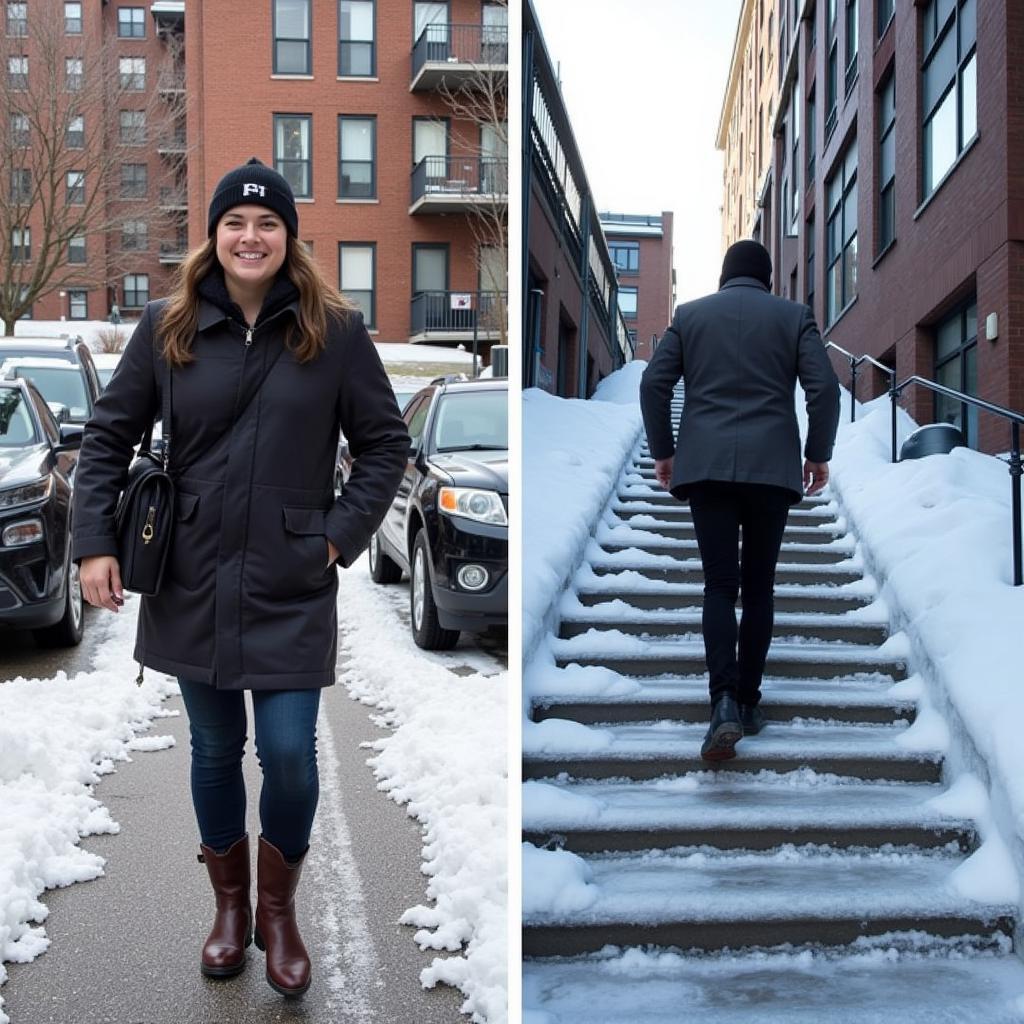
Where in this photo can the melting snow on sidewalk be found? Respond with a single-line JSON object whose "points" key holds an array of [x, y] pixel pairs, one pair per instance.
{"points": [[445, 761], [58, 737]]}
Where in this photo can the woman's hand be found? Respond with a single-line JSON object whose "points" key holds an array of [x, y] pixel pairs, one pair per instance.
{"points": [[332, 553], [100, 577]]}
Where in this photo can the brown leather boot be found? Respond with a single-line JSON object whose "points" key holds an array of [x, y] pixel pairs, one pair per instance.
{"points": [[288, 967], [224, 952]]}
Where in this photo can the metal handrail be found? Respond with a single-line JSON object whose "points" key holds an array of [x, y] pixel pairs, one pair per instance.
{"points": [[1015, 419]]}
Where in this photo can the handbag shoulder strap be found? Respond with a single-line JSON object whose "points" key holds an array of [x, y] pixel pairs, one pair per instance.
{"points": [[165, 413]]}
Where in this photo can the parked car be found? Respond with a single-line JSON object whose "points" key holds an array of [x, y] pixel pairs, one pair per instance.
{"points": [[39, 586], [343, 467], [448, 525], [106, 364], [44, 351]]}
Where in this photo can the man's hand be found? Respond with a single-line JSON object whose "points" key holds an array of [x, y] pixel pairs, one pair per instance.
{"points": [[815, 476], [663, 472], [332, 553], [100, 577]]}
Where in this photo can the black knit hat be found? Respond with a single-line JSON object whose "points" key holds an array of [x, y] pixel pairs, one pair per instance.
{"points": [[255, 183], [747, 258]]}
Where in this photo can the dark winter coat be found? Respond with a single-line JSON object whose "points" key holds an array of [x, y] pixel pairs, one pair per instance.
{"points": [[248, 601], [740, 352]]}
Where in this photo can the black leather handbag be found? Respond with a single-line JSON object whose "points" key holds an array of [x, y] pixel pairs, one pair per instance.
{"points": [[144, 518]]}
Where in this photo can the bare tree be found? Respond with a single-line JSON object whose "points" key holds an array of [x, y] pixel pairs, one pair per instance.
{"points": [[479, 103], [62, 145]]}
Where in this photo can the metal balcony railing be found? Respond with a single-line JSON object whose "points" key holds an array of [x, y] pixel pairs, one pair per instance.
{"points": [[173, 199], [172, 142], [469, 313], [445, 43], [1015, 420], [626, 342], [463, 176], [171, 81]]}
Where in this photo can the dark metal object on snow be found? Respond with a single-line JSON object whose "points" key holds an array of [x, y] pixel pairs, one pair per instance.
{"points": [[933, 439]]}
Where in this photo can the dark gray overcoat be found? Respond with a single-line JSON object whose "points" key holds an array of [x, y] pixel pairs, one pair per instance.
{"points": [[248, 601], [740, 352]]}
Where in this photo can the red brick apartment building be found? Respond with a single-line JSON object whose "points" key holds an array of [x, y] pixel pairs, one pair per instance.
{"points": [[573, 331], [641, 250], [401, 179], [896, 205]]}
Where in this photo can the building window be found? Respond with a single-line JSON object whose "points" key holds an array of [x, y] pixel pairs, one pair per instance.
{"points": [[73, 74], [292, 51], [432, 16], [628, 302], [133, 127], [136, 290], [73, 19], [21, 186], [886, 10], [430, 277], [494, 34], [292, 151], [21, 245], [134, 181], [20, 130], [810, 265], [851, 43], [949, 93], [78, 303], [17, 19], [794, 120], [133, 73], [76, 249], [135, 235], [357, 51], [625, 256], [887, 164], [832, 74], [357, 276], [956, 366], [357, 148], [17, 73], [74, 135], [131, 22], [841, 235], [75, 188]]}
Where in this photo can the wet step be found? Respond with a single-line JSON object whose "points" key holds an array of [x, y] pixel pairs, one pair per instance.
{"points": [[709, 900], [731, 812], [852, 700], [657, 749], [879, 984]]}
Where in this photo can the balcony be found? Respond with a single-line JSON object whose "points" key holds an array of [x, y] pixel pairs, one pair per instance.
{"points": [[451, 184], [173, 252], [171, 83], [173, 199], [172, 144], [169, 15], [456, 55], [439, 317]]}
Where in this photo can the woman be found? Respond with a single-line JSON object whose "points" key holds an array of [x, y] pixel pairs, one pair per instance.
{"points": [[267, 361]]}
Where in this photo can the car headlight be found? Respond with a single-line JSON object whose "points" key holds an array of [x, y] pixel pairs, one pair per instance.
{"points": [[483, 506], [26, 494]]}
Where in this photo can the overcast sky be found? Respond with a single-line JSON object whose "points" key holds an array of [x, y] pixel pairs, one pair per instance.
{"points": [[643, 82]]}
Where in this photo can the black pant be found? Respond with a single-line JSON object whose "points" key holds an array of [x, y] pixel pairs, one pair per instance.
{"points": [[720, 510]]}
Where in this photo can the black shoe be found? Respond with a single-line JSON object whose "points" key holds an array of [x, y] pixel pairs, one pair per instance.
{"points": [[751, 718], [724, 732]]}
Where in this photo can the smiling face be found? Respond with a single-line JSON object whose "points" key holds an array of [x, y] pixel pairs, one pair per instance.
{"points": [[251, 246]]}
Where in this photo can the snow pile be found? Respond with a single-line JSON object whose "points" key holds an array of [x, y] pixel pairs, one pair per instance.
{"points": [[58, 737], [559, 882], [577, 449], [446, 762]]}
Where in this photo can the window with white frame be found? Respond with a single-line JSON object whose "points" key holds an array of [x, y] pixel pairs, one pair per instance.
{"points": [[132, 73]]}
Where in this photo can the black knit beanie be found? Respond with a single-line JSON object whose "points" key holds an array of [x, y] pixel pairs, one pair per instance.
{"points": [[747, 258], [255, 183]]}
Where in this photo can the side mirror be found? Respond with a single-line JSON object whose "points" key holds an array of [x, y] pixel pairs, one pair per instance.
{"points": [[421, 459], [60, 411], [70, 437]]}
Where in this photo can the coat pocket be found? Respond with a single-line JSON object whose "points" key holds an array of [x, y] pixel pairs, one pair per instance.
{"points": [[193, 551], [306, 525], [185, 506]]}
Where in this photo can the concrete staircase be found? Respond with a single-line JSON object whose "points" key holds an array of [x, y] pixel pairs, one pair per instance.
{"points": [[829, 841]]}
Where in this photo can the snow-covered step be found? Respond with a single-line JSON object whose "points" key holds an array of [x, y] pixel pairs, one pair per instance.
{"points": [[708, 899], [622, 538], [683, 513], [634, 488], [647, 593], [656, 749], [677, 624], [686, 530], [690, 570], [871, 984], [686, 700], [631, 656], [729, 811]]}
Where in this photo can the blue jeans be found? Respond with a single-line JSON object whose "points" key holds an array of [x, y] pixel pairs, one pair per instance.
{"points": [[286, 749]]}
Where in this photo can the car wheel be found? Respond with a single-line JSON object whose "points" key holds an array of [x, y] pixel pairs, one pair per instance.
{"points": [[426, 630], [68, 632], [382, 568]]}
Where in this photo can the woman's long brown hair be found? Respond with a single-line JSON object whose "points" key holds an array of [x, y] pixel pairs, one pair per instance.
{"points": [[319, 300]]}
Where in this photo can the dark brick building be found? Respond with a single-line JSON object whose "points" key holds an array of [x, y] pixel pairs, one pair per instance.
{"points": [[574, 333], [896, 205], [641, 250]]}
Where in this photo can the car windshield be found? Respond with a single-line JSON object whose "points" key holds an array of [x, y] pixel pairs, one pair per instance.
{"points": [[472, 421], [17, 428], [58, 383]]}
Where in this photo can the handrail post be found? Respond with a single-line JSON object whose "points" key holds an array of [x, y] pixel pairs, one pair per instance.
{"points": [[1015, 474], [853, 390], [894, 398]]}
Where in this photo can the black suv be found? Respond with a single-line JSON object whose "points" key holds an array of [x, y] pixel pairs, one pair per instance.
{"points": [[448, 524], [39, 587], [45, 362]]}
